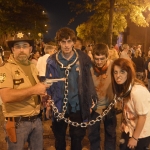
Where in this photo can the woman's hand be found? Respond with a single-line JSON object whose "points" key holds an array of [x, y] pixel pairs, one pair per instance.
{"points": [[132, 143]]}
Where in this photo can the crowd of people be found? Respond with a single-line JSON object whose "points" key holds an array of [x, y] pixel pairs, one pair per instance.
{"points": [[76, 86]]}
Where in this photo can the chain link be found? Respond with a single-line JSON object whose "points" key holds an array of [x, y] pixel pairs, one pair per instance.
{"points": [[60, 116], [67, 68]]}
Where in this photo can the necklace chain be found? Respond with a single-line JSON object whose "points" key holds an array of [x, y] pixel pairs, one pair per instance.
{"points": [[67, 68], [71, 64]]}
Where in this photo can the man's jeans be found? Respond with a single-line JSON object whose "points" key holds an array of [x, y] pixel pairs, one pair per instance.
{"points": [[76, 133], [28, 131], [110, 123]]}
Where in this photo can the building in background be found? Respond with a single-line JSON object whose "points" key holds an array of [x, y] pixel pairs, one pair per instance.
{"points": [[135, 35]]}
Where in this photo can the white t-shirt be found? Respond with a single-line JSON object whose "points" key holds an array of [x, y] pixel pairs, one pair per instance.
{"points": [[41, 64], [139, 104]]}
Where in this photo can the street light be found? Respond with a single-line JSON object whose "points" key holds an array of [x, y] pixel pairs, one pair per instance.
{"points": [[43, 12]]}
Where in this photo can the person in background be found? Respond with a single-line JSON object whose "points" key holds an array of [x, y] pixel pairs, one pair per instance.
{"points": [[78, 44], [75, 94], [83, 49], [35, 56], [135, 101], [42, 61], [148, 55], [130, 54], [124, 53], [42, 45], [41, 67], [89, 50], [113, 54], [116, 47], [139, 64], [143, 56], [19, 91], [132, 49], [147, 71], [100, 71], [139, 48], [89, 53], [120, 49]]}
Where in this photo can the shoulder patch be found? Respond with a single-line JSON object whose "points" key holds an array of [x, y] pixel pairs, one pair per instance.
{"points": [[2, 77], [2, 64]]}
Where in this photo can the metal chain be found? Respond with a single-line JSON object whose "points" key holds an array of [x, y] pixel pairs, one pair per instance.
{"points": [[67, 68], [65, 100], [60, 116]]}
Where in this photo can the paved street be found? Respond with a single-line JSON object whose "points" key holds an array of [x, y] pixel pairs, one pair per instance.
{"points": [[49, 137]]}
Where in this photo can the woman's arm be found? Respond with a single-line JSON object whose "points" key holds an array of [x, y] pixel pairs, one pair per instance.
{"points": [[140, 124]]}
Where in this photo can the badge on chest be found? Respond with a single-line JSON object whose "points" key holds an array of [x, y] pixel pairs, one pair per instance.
{"points": [[18, 81]]}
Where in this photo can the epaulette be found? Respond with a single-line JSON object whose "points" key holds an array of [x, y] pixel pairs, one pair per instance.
{"points": [[2, 64]]}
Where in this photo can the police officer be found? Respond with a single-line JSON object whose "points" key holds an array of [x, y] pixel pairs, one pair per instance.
{"points": [[19, 90]]}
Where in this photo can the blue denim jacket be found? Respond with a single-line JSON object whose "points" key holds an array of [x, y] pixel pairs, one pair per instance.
{"points": [[86, 90]]}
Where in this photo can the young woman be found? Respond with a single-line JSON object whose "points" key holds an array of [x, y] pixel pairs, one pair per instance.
{"points": [[135, 101]]}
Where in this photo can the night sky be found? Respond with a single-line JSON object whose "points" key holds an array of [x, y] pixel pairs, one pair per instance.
{"points": [[59, 14]]}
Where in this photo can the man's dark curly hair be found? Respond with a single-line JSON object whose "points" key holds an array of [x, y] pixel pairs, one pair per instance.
{"points": [[65, 33]]}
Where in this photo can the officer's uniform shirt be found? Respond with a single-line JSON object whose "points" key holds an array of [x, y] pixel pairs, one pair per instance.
{"points": [[12, 76]]}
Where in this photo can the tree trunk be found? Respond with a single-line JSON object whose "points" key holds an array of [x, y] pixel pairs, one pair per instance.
{"points": [[110, 24]]}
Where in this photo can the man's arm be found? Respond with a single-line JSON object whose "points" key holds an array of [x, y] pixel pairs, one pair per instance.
{"points": [[16, 95]]}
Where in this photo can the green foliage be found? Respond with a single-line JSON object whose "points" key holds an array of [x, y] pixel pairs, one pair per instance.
{"points": [[23, 15], [101, 20]]}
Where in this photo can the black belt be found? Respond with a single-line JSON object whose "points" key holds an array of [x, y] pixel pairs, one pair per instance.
{"points": [[18, 119]]}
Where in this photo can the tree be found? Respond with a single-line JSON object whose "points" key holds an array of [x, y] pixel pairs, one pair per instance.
{"points": [[109, 17], [21, 15]]}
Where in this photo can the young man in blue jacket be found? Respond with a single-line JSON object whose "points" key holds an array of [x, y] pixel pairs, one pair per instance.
{"points": [[72, 98]]}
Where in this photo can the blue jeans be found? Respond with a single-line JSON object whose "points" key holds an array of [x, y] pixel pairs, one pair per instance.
{"points": [[110, 123], [76, 133], [27, 131]]}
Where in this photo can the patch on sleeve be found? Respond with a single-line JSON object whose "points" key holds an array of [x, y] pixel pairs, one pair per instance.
{"points": [[2, 77]]}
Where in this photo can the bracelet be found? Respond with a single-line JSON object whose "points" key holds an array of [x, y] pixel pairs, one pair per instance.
{"points": [[134, 138]]}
